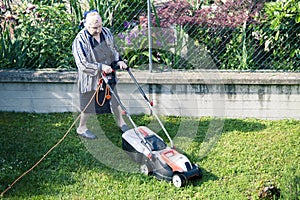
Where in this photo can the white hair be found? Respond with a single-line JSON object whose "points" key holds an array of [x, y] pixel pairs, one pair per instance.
{"points": [[93, 19]]}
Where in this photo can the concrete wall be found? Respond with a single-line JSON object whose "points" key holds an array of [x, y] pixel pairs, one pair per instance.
{"points": [[265, 95]]}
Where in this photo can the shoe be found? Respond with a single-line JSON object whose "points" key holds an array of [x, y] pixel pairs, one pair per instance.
{"points": [[88, 135], [124, 128]]}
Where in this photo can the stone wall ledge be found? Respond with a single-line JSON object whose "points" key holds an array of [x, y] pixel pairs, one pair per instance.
{"points": [[172, 77]]}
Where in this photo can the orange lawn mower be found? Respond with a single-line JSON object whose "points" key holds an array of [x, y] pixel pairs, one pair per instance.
{"points": [[151, 152]]}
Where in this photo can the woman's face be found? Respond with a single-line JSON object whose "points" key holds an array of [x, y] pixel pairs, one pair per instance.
{"points": [[94, 30]]}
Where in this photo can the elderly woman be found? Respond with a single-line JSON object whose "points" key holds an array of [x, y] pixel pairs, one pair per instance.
{"points": [[94, 52]]}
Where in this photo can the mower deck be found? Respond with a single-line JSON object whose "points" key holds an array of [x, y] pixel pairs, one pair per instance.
{"points": [[158, 159]]}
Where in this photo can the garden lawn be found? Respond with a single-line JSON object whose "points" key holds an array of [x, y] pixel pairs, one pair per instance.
{"points": [[250, 155]]}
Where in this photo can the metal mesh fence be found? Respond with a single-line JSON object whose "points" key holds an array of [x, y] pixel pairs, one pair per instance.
{"points": [[158, 35], [235, 35]]}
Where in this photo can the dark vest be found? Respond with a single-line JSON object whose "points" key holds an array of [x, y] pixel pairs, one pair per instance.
{"points": [[103, 53]]}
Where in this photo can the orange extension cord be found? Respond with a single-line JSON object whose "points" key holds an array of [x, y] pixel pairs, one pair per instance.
{"points": [[106, 95], [51, 149]]}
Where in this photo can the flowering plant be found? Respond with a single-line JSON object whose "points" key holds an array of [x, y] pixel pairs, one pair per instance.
{"points": [[166, 47]]}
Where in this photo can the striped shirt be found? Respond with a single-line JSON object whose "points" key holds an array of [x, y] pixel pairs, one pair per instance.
{"points": [[85, 56]]}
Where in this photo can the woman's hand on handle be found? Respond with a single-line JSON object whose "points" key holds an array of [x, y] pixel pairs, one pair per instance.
{"points": [[122, 65]]}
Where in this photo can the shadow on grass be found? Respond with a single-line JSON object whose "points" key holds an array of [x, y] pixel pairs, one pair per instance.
{"points": [[228, 125], [243, 125], [209, 128], [206, 177]]}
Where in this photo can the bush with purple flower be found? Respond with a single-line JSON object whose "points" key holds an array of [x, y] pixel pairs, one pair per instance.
{"points": [[134, 44]]}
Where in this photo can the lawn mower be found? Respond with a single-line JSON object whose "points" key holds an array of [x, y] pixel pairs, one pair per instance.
{"points": [[150, 151]]}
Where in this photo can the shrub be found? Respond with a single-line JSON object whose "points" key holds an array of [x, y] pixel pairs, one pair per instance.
{"points": [[133, 45], [278, 33], [166, 49], [42, 34], [41, 38], [12, 53], [217, 31], [241, 34], [118, 14], [48, 33]]}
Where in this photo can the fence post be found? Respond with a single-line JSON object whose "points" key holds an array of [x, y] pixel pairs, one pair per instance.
{"points": [[149, 35]]}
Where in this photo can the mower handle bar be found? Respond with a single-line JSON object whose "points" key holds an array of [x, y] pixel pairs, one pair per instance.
{"points": [[150, 104], [123, 108]]}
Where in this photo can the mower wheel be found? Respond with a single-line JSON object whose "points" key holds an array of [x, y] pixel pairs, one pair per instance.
{"points": [[179, 180], [145, 169]]}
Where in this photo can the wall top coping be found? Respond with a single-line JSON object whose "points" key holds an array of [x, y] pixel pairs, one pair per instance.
{"points": [[172, 77]]}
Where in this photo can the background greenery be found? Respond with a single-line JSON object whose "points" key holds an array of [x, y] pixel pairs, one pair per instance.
{"points": [[236, 35], [250, 156]]}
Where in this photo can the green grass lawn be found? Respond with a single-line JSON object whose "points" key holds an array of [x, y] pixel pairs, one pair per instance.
{"points": [[249, 155]]}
